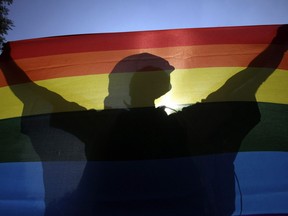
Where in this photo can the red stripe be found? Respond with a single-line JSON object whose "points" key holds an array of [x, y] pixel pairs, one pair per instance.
{"points": [[141, 40]]}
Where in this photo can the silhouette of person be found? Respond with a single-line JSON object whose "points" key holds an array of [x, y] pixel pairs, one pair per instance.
{"points": [[123, 147]]}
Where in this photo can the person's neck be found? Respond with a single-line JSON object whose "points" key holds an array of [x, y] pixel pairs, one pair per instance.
{"points": [[142, 103]]}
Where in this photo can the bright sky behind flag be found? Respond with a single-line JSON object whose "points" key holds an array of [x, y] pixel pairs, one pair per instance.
{"points": [[40, 18]]}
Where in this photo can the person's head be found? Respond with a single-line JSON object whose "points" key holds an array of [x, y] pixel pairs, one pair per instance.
{"points": [[138, 80], [148, 85]]}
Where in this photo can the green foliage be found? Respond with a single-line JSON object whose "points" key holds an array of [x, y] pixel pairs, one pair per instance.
{"points": [[5, 23]]}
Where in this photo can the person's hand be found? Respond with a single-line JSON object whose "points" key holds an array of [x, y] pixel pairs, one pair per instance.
{"points": [[6, 50], [282, 36]]}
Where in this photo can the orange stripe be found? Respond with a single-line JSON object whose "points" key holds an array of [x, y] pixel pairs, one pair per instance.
{"points": [[77, 64]]}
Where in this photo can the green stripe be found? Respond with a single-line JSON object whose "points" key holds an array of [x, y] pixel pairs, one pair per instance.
{"points": [[15, 146], [271, 134]]}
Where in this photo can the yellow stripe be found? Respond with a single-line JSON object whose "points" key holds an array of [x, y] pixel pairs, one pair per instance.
{"points": [[188, 86]]}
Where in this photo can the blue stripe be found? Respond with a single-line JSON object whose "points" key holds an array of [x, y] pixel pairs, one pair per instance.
{"points": [[261, 188]]}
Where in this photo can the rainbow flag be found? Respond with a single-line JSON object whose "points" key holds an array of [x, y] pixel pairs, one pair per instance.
{"points": [[171, 122]]}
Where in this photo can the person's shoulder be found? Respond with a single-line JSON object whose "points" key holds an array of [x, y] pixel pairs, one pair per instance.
{"points": [[191, 107]]}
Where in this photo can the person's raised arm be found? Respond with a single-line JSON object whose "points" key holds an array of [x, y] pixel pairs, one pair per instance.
{"points": [[36, 99], [244, 85]]}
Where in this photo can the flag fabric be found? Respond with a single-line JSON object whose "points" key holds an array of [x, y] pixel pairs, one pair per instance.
{"points": [[80, 134]]}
